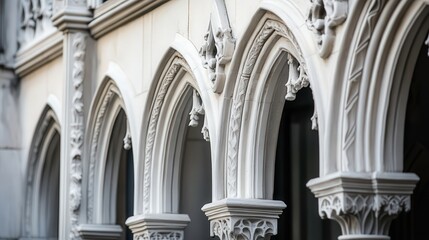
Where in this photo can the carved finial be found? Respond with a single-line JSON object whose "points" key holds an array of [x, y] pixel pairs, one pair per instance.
{"points": [[314, 121], [427, 43], [127, 138], [297, 78], [197, 109], [324, 16], [196, 112]]}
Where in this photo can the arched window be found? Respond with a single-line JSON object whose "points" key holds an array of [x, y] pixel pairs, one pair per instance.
{"points": [[43, 180], [118, 193], [297, 161], [195, 180]]}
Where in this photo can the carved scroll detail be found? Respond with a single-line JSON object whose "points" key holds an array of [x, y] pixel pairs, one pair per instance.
{"points": [[77, 130], [324, 16]]}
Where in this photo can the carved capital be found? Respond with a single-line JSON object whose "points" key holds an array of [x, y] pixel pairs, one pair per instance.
{"points": [[364, 204], [250, 219], [158, 226], [324, 16]]}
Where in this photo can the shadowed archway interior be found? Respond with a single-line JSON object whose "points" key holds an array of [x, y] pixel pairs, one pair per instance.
{"points": [[413, 225]]}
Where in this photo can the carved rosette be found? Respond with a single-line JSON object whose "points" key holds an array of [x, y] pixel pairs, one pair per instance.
{"points": [[365, 206], [76, 130], [324, 16], [243, 219]]}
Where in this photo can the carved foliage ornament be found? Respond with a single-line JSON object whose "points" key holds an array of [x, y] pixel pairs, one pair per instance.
{"points": [[35, 19], [218, 46], [364, 214], [247, 229], [76, 130], [158, 235], [324, 16]]}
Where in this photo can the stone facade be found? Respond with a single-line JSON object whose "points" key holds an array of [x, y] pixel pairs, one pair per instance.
{"points": [[96, 98]]}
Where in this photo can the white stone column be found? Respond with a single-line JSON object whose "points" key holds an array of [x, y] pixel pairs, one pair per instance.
{"points": [[158, 226], [72, 18], [247, 219], [364, 204]]}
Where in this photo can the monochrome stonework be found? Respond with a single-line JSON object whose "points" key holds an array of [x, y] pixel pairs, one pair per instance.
{"points": [[250, 219], [365, 205], [69, 68]]}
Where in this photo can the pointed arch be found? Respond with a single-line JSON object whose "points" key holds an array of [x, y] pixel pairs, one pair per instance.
{"points": [[109, 150], [42, 178], [271, 45], [163, 133]]}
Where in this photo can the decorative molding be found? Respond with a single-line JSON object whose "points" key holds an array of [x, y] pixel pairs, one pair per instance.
{"points": [[33, 56], [74, 17], [76, 130], [107, 99], [217, 51], [165, 83], [158, 226], [269, 28], [117, 13], [250, 219], [198, 109], [99, 231], [324, 16], [354, 79], [35, 20], [364, 203]]}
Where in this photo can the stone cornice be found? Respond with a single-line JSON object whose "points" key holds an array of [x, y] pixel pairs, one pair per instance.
{"points": [[116, 13], [76, 18], [36, 55]]}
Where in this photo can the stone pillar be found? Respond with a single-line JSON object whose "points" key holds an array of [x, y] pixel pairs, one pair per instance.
{"points": [[72, 18], [364, 204], [158, 226], [11, 180], [249, 219]]}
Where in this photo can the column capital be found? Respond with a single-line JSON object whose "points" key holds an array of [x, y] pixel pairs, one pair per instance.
{"points": [[364, 204], [250, 219], [72, 18], [158, 226]]}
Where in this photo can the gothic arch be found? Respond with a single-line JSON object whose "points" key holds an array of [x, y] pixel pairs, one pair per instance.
{"points": [[42, 183], [272, 45], [163, 128], [108, 117]]}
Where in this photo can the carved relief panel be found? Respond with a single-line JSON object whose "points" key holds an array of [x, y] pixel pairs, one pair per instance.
{"points": [[35, 19]]}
